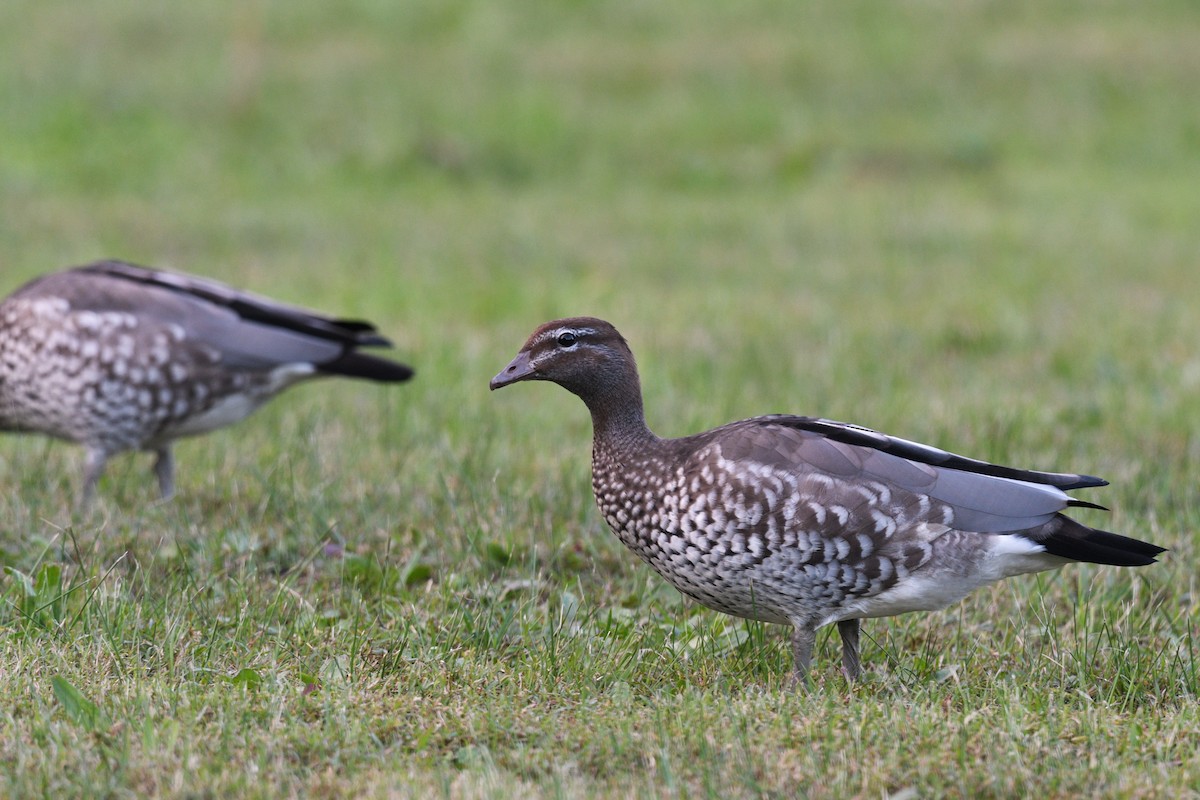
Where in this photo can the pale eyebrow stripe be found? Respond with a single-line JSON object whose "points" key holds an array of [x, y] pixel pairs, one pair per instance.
{"points": [[554, 334]]}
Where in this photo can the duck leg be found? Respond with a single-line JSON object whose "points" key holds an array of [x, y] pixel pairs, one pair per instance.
{"points": [[851, 665], [164, 470], [803, 638], [93, 467]]}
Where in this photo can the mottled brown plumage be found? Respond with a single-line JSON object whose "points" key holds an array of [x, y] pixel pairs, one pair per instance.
{"points": [[119, 357], [804, 521]]}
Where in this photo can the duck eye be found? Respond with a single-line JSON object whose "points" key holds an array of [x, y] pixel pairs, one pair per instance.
{"points": [[567, 339]]}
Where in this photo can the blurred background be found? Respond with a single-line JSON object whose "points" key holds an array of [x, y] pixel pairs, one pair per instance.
{"points": [[943, 219]]}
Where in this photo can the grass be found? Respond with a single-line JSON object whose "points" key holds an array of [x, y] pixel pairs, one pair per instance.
{"points": [[967, 224]]}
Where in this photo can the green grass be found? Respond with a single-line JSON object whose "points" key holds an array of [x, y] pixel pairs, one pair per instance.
{"points": [[970, 224]]}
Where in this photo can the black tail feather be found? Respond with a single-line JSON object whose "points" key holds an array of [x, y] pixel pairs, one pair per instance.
{"points": [[1076, 541], [1073, 503], [361, 365]]}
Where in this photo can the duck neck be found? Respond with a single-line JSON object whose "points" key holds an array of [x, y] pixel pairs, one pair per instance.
{"points": [[618, 419]]}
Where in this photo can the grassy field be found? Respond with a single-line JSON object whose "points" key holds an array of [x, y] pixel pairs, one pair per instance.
{"points": [[972, 224]]}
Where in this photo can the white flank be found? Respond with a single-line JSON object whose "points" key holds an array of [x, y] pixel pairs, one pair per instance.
{"points": [[936, 585], [236, 407]]}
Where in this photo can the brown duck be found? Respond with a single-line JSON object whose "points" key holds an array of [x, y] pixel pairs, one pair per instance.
{"points": [[803, 521], [119, 357]]}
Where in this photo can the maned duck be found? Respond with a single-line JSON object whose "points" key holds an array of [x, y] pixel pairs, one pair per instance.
{"points": [[119, 357], [804, 521]]}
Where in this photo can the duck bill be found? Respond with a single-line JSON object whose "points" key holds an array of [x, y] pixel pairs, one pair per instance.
{"points": [[519, 369]]}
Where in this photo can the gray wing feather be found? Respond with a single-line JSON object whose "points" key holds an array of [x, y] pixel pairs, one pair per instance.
{"points": [[247, 331], [926, 454], [989, 504], [980, 502], [246, 305], [823, 454], [251, 345]]}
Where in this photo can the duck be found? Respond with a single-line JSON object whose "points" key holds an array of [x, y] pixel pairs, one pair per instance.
{"points": [[116, 357], [805, 521]]}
